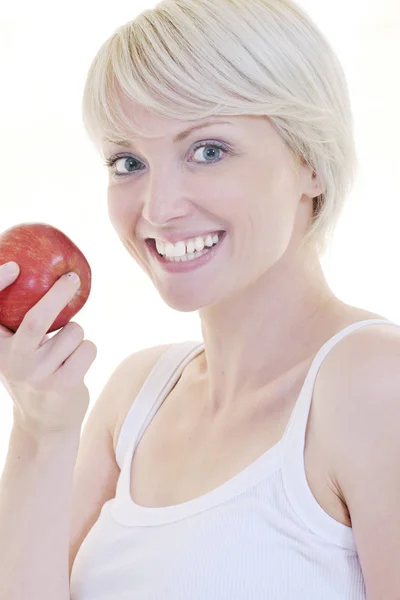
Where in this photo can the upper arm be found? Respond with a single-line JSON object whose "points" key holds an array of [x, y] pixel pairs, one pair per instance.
{"points": [[364, 446], [96, 471]]}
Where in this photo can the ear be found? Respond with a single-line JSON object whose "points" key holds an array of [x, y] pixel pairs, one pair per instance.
{"points": [[311, 183]]}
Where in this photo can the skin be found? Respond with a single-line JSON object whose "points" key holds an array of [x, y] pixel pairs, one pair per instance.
{"points": [[264, 303]]}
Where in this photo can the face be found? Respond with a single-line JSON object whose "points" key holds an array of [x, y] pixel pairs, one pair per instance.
{"points": [[236, 175]]}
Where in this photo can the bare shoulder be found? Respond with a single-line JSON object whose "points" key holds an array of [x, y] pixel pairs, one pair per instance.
{"points": [[361, 382], [133, 372], [361, 370], [363, 358]]}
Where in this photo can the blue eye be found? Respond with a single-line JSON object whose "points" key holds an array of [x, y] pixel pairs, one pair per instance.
{"points": [[111, 162], [129, 161], [219, 147]]}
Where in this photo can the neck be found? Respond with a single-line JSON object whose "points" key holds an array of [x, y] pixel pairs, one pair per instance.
{"points": [[266, 332]]}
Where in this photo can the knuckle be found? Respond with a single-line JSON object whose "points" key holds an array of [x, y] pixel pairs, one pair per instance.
{"points": [[32, 324], [35, 378]]}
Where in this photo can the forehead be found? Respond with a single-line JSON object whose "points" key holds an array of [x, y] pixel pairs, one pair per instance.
{"points": [[148, 125], [155, 127]]}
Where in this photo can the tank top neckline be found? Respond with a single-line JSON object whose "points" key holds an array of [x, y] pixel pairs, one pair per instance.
{"points": [[127, 511]]}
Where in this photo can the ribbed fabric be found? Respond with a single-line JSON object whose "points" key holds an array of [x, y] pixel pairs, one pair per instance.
{"points": [[261, 535]]}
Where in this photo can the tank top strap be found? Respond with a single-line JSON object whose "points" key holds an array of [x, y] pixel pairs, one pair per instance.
{"points": [[294, 476], [159, 382]]}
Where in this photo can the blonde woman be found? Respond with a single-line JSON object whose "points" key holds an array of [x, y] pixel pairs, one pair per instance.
{"points": [[261, 462]]}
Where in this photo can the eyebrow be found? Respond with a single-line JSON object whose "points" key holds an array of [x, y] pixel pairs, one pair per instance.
{"points": [[178, 138]]}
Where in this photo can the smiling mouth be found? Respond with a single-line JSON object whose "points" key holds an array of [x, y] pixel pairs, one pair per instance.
{"points": [[220, 234], [151, 242]]}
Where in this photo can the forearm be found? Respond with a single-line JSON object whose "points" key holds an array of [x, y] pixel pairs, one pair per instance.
{"points": [[35, 516]]}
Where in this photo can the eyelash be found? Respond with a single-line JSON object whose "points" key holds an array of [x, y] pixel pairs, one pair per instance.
{"points": [[110, 162]]}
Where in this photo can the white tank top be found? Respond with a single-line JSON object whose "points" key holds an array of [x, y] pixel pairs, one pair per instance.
{"points": [[259, 536]]}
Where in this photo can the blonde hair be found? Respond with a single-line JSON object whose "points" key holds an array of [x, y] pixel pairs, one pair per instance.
{"points": [[190, 59]]}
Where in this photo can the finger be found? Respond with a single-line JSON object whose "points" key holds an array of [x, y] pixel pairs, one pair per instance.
{"points": [[8, 273], [5, 333], [40, 317], [52, 354], [73, 370]]}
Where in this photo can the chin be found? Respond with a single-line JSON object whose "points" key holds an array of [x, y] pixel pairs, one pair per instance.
{"points": [[185, 300], [181, 304]]}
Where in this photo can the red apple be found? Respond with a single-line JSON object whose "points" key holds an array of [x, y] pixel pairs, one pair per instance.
{"points": [[43, 254]]}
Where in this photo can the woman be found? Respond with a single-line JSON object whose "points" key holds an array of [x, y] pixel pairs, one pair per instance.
{"points": [[233, 483]]}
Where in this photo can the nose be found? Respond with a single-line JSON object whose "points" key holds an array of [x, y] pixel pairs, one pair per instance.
{"points": [[163, 200]]}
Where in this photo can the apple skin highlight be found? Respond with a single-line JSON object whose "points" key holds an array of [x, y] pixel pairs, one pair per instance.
{"points": [[44, 254]]}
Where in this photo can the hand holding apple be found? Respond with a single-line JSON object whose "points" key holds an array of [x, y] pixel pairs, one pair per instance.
{"points": [[46, 381], [44, 254]]}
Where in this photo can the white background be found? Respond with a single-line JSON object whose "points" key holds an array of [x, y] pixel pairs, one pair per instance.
{"points": [[51, 173]]}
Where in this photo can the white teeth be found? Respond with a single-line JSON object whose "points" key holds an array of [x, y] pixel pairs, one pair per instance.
{"points": [[209, 241], [190, 247], [186, 248], [199, 244]]}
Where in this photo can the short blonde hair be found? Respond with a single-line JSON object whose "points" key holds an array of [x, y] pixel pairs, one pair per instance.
{"points": [[190, 59]]}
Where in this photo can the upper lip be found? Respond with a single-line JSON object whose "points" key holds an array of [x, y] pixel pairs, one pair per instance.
{"points": [[173, 238]]}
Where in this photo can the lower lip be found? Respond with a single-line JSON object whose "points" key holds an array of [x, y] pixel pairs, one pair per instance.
{"points": [[187, 265]]}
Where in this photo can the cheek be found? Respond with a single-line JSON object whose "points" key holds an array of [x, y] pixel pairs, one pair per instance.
{"points": [[266, 203], [280, 210], [122, 211], [253, 194]]}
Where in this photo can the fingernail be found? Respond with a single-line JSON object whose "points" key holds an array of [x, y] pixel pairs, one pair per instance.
{"points": [[73, 277], [10, 268]]}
